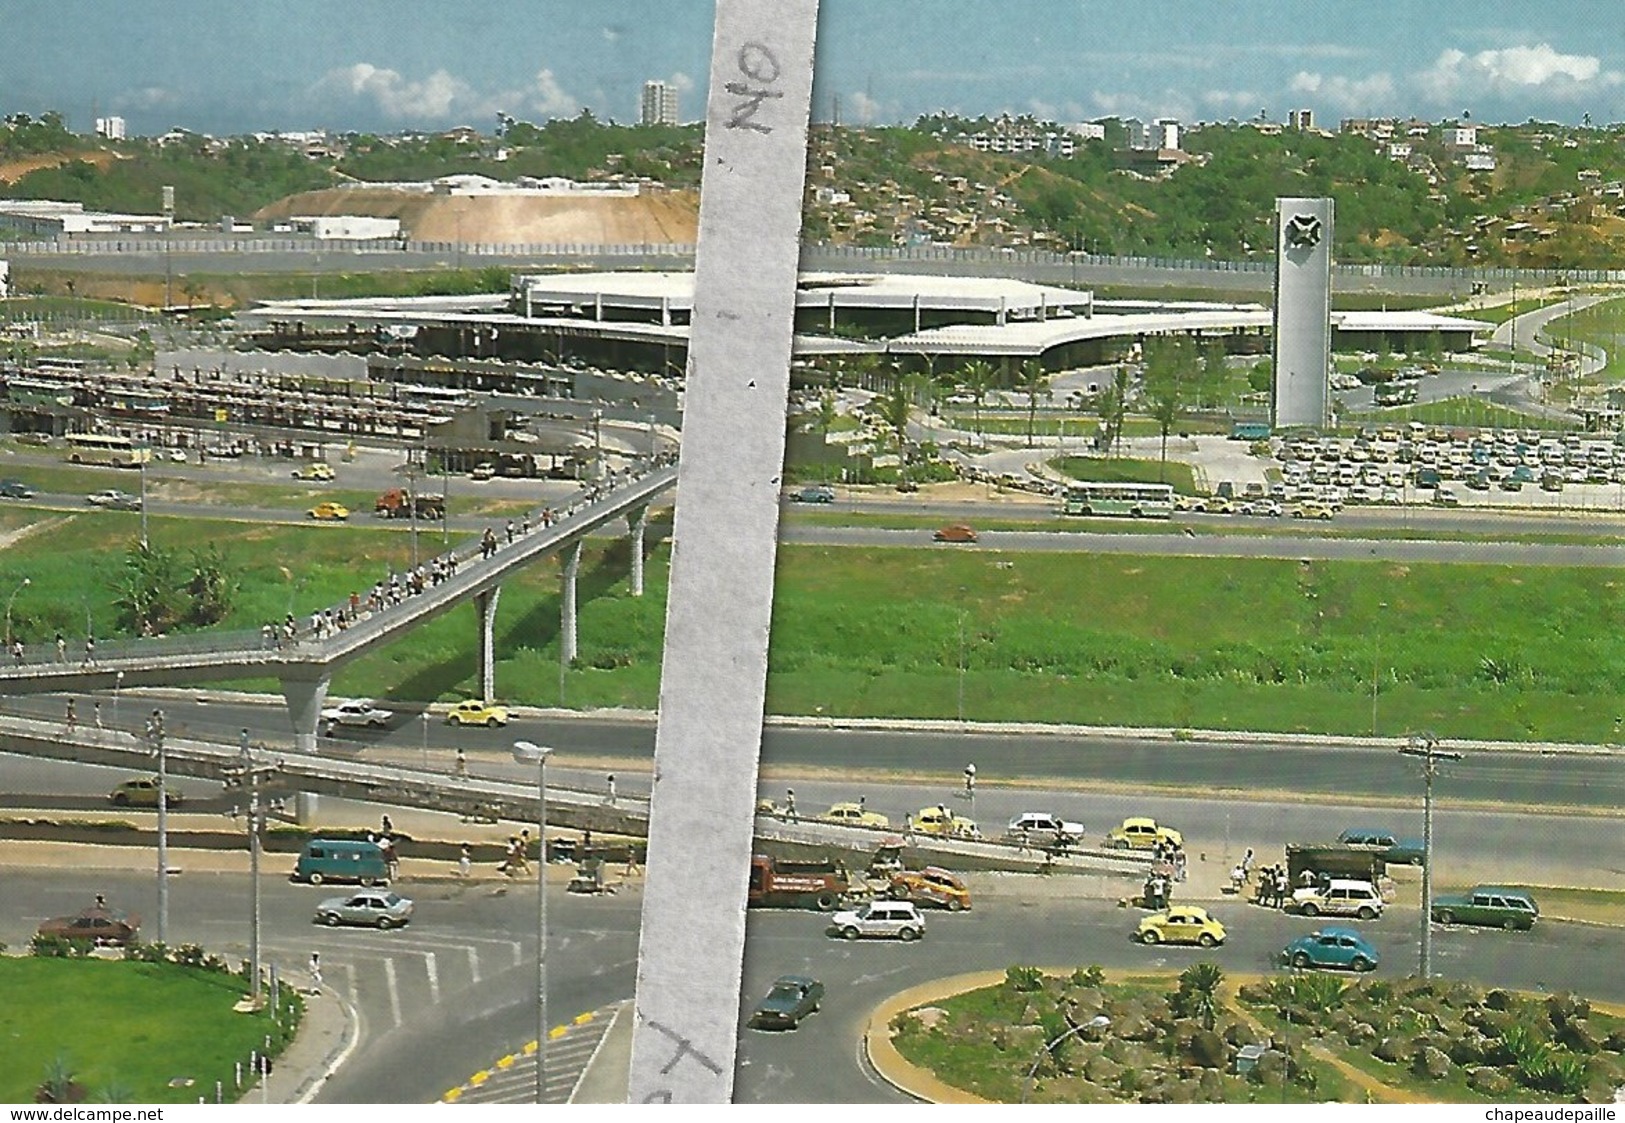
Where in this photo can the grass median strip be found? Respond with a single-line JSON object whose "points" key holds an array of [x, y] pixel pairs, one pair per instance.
{"points": [[1491, 651]]}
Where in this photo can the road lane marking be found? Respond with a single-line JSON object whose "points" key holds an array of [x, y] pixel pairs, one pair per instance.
{"points": [[394, 991], [434, 978]]}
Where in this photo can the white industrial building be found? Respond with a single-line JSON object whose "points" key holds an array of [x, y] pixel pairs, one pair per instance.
{"points": [[347, 227], [48, 218]]}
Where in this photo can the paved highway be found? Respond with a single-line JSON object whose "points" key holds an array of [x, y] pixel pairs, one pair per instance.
{"points": [[451, 993], [1590, 780]]}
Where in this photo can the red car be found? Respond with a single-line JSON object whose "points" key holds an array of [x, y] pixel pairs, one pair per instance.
{"points": [[957, 532], [96, 925]]}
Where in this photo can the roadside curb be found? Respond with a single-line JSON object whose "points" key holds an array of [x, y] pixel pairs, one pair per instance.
{"points": [[528, 1050], [926, 1087]]}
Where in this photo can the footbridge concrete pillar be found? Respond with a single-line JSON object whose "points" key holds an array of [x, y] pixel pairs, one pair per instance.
{"points": [[567, 622], [486, 605], [638, 520], [305, 697]]}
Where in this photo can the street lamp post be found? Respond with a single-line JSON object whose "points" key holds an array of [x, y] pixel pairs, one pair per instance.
{"points": [[9, 600], [1426, 746], [143, 454], [155, 738], [1376, 656], [527, 752], [248, 772]]}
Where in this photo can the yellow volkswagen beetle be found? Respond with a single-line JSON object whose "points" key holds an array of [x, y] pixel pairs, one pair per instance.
{"points": [[1181, 925]]}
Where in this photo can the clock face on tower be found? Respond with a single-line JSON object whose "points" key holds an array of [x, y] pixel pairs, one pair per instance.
{"points": [[1303, 231]]}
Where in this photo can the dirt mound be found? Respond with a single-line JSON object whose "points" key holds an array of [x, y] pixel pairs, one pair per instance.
{"points": [[13, 170], [655, 216]]}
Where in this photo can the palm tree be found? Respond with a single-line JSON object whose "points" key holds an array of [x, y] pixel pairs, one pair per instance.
{"points": [[1198, 995], [827, 413], [978, 380], [1032, 381]]}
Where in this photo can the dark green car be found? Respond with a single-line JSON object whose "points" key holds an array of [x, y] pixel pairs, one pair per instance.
{"points": [[792, 998], [1491, 905]]}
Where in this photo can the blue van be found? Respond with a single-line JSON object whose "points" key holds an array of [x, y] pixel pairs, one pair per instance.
{"points": [[341, 859]]}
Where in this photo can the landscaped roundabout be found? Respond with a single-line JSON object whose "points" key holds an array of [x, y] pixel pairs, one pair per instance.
{"points": [[1048, 1036]]}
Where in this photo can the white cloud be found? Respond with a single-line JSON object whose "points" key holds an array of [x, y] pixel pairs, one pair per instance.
{"points": [[1455, 73], [680, 81], [1341, 92], [864, 108], [547, 98], [442, 96], [396, 97]]}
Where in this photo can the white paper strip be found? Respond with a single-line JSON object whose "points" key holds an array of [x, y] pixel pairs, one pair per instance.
{"points": [[714, 671]]}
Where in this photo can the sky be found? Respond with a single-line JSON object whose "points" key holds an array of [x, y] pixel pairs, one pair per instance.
{"points": [[387, 65]]}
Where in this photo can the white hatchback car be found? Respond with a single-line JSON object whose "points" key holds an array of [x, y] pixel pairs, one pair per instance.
{"points": [[1342, 897], [896, 920]]}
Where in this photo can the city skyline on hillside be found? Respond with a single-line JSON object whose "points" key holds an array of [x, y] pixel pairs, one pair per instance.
{"points": [[295, 65]]}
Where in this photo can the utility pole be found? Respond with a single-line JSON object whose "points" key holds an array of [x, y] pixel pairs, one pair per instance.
{"points": [[1426, 747], [248, 772], [155, 739]]}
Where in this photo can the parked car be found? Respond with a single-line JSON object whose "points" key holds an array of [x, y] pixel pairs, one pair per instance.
{"points": [[1181, 925], [15, 489], [815, 494], [357, 711], [98, 925], [1492, 905], [791, 998], [472, 711], [855, 815], [373, 908], [1141, 834], [1396, 850], [1045, 828], [483, 471], [329, 512], [956, 532], [320, 470], [1339, 897], [898, 920], [932, 886], [143, 792], [1331, 947]]}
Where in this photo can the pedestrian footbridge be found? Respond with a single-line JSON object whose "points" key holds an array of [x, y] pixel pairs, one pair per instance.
{"points": [[304, 661]]}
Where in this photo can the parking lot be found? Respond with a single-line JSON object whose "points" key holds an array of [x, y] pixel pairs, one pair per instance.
{"points": [[1428, 465]]}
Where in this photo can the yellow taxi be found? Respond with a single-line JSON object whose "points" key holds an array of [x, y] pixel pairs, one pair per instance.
{"points": [[931, 886], [317, 471], [1141, 834], [855, 815], [1181, 925], [325, 512], [475, 712], [940, 821]]}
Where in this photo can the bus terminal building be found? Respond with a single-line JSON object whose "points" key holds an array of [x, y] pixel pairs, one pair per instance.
{"points": [[639, 321]]}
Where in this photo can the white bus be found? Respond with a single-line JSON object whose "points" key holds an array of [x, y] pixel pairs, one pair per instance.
{"points": [[103, 448], [1134, 500]]}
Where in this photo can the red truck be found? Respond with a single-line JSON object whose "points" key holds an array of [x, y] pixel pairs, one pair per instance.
{"points": [[775, 881], [396, 504]]}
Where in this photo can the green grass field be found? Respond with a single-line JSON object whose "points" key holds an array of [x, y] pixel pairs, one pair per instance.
{"points": [[1466, 650], [126, 1030], [1127, 469]]}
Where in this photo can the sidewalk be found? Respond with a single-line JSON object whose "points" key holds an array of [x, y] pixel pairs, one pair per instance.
{"points": [[325, 1039]]}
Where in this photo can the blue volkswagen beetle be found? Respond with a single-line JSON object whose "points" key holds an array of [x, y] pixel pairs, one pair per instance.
{"points": [[1331, 947]]}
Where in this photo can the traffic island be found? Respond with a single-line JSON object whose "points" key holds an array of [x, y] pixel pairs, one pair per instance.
{"points": [[1060, 1035]]}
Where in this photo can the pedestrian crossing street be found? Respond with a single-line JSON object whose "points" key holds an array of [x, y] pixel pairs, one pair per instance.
{"points": [[385, 975], [512, 1078]]}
